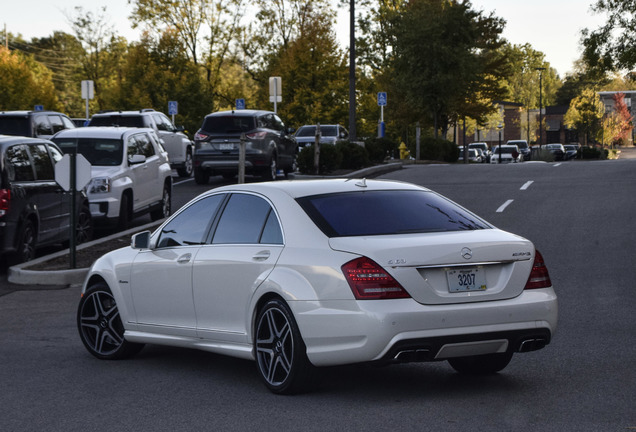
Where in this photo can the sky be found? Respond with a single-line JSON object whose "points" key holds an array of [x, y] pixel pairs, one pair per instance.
{"points": [[550, 26]]}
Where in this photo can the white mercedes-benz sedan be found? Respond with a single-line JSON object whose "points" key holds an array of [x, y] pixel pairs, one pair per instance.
{"points": [[302, 274]]}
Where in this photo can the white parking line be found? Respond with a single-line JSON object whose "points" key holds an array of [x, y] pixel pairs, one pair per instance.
{"points": [[183, 181], [504, 205], [557, 164], [527, 185]]}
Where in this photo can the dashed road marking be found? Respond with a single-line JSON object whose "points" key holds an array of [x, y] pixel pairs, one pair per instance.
{"points": [[527, 185], [504, 205]]}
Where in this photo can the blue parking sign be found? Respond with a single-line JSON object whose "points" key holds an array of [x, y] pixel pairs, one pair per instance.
{"points": [[382, 98], [38, 108], [173, 108], [240, 104]]}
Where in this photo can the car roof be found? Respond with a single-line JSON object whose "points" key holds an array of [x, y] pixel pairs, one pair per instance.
{"points": [[242, 113], [99, 132], [129, 112], [28, 112], [301, 188], [7, 140]]}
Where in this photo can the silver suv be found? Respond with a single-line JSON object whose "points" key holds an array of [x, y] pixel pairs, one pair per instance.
{"points": [[178, 145], [129, 169]]}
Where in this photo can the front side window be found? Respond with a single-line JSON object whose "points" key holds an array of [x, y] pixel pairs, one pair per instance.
{"points": [[387, 212], [144, 145], [42, 126], [247, 219], [42, 162], [190, 226], [56, 123]]}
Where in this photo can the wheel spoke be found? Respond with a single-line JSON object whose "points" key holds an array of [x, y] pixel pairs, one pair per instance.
{"points": [[274, 346]]}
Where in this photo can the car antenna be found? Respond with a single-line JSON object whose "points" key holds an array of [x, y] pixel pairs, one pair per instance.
{"points": [[362, 183]]}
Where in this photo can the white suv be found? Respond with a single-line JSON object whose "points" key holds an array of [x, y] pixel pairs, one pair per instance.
{"points": [[178, 145], [130, 172], [506, 154]]}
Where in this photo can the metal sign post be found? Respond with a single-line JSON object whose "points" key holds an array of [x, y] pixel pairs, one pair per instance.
{"points": [[382, 99], [88, 92], [275, 91], [241, 167]]}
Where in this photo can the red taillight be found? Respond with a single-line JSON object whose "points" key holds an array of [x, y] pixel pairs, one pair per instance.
{"points": [[369, 281], [200, 136], [5, 201], [256, 135], [539, 277]]}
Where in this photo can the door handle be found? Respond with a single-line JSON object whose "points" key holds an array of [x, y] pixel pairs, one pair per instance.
{"points": [[261, 256], [184, 258]]}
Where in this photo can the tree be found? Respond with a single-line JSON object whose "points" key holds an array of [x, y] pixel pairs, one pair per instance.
{"points": [[25, 83], [617, 125], [613, 45], [458, 71], [586, 114]]}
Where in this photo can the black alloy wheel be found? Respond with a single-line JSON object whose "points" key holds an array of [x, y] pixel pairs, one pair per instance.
{"points": [[281, 356], [166, 205], [84, 226], [100, 326], [27, 243]]}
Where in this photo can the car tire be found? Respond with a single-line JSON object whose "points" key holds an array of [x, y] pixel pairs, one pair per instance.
{"points": [[201, 177], [27, 243], [166, 205], [481, 364], [100, 326], [281, 355], [124, 212], [84, 226], [271, 171], [186, 170]]}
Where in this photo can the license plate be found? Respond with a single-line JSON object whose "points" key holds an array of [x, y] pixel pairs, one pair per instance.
{"points": [[466, 279], [226, 146]]}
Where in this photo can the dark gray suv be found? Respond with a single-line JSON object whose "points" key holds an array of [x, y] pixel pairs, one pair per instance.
{"points": [[270, 147], [37, 124], [34, 209]]}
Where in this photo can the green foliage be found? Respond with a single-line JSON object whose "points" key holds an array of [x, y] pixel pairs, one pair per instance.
{"points": [[354, 156], [330, 159], [379, 149], [590, 153], [437, 149], [585, 114]]}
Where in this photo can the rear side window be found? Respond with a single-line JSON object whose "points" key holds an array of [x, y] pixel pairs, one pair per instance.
{"points": [[12, 125], [18, 164], [387, 212], [247, 219], [228, 124]]}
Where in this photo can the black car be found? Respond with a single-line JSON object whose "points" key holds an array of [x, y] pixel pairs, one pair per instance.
{"points": [[270, 147], [37, 124], [34, 210]]}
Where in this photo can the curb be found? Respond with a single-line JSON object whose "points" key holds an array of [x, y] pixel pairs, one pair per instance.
{"points": [[20, 274]]}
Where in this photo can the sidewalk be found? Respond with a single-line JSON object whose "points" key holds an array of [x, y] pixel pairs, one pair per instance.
{"points": [[627, 153]]}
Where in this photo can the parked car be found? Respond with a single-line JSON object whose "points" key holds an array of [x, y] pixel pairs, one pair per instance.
{"points": [[524, 149], [269, 145], [571, 151], [313, 273], [486, 153], [557, 150], [329, 134], [36, 124], [506, 153], [34, 210], [473, 155], [130, 172], [180, 148]]}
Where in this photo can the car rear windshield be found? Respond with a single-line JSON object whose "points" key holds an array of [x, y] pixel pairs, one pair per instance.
{"points": [[98, 151], [306, 131], [14, 125], [117, 120], [228, 124], [386, 213]]}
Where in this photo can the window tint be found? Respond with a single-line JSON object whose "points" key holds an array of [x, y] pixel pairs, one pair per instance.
{"points": [[243, 220], [14, 125], [228, 124], [117, 120], [271, 232], [55, 154], [42, 162], [56, 123], [68, 124], [98, 151], [162, 122], [42, 126], [190, 226], [144, 146], [18, 164], [387, 212]]}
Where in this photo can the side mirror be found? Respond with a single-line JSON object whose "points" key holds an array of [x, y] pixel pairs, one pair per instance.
{"points": [[141, 240], [136, 159]]}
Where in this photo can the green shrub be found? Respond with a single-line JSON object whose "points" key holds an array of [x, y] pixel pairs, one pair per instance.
{"points": [[438, 150], [330, 159], [354, 156], [379, 149], [590, 153]]}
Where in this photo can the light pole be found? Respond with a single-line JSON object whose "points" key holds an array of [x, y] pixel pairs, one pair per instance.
{"points": [[500, 127], [540, 69]]}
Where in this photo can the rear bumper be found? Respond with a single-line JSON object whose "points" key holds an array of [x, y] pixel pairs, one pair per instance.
{"points": [[349, 331]]}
